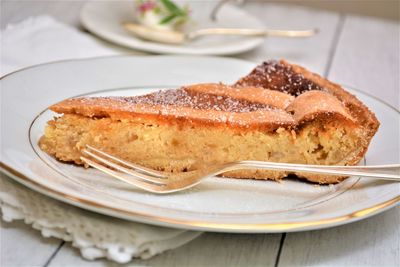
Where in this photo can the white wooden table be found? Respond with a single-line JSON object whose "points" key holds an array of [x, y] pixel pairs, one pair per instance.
{"points": [[358, 51]]}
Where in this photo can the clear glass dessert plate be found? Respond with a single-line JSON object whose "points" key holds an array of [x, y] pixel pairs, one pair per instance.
{"points": [[218, 204]]}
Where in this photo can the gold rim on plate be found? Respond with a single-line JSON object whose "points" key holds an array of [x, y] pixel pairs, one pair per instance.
{"points": [[191, 224]]}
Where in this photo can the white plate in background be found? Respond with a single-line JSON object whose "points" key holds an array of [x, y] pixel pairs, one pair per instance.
{"points": [[104, 18]]}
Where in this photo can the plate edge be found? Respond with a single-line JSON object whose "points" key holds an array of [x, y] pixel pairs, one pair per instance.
{"points": [[200, 226]]}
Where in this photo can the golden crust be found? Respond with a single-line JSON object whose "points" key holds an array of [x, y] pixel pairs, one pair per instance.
{"points": [[365, 118]]}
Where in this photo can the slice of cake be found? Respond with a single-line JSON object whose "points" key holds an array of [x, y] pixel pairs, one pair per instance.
{"points": [[279, 112]]}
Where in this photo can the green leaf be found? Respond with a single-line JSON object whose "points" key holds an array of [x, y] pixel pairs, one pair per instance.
{"points": [[174, 9], [168, 19]]}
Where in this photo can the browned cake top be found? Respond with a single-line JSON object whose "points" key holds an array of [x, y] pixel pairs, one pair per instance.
{"points": [[279, 76], [295, 80], [275, 94], [185, 97], [214, 104]]}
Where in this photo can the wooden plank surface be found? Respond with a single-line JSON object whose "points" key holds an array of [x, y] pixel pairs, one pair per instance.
{"points": [[371, 242], [366, 239], [21, 245], [368, 57]]}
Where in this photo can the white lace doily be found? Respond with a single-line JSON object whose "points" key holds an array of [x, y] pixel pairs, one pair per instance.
{"points": [[95, 235]]}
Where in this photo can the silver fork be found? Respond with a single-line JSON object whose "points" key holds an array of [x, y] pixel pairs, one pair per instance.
{"points": [[162, 182]]}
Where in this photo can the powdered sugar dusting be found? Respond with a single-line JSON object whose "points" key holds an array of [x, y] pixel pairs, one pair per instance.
{"points": [[274, 75], [187, 105], [199, 101]]}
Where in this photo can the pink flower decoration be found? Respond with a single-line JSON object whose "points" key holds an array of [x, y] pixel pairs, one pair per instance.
{"points": [[146, 6]]}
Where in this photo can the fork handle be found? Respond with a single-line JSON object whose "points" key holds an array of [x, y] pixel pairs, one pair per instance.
{"points": [[251, 32], [385, 172]]}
